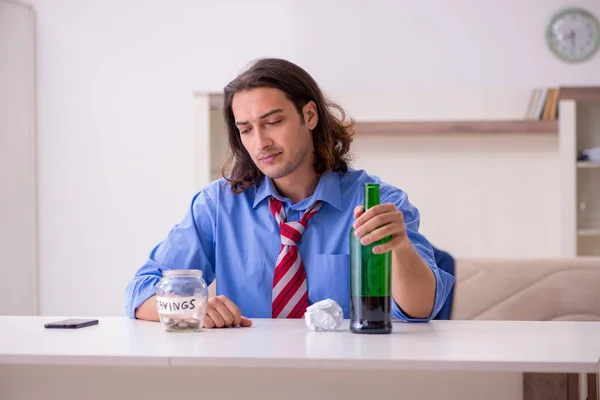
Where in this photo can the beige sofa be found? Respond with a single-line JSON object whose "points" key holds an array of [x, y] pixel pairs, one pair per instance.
{"points": [[532, 289]]}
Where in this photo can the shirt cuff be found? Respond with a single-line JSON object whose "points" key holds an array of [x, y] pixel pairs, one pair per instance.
{"points": [[443, 284], [139, 291]]}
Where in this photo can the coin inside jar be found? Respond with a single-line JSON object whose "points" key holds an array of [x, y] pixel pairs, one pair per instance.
{"points": [[187, 324]]}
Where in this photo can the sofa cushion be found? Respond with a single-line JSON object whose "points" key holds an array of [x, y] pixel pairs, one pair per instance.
{"points": [[527, 289]]}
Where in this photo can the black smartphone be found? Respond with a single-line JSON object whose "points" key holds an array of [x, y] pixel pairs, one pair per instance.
{"points": [[72, 323]]}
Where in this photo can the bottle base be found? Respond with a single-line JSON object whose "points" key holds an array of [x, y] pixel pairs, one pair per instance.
{"points": [[374, 328]]}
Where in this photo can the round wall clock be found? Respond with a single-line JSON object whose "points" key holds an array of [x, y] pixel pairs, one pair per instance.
{"points": [[573, 35]]}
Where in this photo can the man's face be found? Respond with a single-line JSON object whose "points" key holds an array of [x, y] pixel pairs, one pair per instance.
{"points": [[272, 132]]}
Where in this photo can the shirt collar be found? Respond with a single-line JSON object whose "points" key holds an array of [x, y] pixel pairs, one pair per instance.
{"points": [[328, 190]]}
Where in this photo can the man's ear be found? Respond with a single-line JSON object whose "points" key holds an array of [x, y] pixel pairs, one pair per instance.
{"points": [[311, 116]]}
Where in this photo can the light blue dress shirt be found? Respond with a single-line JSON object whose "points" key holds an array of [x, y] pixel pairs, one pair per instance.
{"points": [[235, 239]]}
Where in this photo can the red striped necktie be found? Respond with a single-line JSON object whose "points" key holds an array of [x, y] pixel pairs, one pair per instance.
{"points": [[290, 293]]}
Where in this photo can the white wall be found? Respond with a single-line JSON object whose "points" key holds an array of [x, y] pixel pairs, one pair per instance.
{"points": [[18, 233], [116, 112], [389, 45]]}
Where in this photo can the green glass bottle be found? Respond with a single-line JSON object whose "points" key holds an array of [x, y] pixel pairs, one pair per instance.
{"points": [[371, 280]]}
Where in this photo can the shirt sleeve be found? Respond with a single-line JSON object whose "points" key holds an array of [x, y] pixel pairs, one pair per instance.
{"points": [[188, 245], [443, 280]]}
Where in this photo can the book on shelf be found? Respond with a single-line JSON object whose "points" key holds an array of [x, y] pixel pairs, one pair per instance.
{"points": [[543, 104]]}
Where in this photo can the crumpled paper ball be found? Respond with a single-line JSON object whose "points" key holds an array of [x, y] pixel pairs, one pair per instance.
{"points": [[324, 315]]}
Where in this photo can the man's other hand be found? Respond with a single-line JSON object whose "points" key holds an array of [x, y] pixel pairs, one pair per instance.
{"points": [[222, 312]]}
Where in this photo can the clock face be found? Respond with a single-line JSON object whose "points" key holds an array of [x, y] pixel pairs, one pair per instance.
{"points": [[573, 35]]}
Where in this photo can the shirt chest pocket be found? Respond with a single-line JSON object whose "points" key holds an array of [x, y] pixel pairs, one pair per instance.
{"points": [[329, 278]]}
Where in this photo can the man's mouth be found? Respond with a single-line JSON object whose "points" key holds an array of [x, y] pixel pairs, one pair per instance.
{"points": [[269, 157]]}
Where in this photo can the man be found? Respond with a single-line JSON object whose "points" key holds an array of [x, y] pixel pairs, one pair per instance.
{"points": [[289, 162]]}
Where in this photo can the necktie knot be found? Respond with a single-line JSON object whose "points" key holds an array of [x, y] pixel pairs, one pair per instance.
{"points": [[291, 232]]}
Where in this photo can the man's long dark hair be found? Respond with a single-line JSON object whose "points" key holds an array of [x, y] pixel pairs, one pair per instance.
{"points": [[331, 137]]}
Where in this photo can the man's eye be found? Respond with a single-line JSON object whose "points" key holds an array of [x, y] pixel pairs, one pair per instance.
{"points": [[274, 122], [244, 131]]}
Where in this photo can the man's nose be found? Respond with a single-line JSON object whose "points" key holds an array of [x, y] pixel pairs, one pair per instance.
{"points": [[263, 140]]}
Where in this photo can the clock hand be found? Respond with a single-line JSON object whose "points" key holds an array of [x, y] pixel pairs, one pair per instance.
{"points": [[572, 37]]}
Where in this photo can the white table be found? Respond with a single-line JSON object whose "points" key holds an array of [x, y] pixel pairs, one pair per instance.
{"points": [[126, 359]]}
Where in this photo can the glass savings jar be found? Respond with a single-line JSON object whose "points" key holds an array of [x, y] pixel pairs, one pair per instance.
{"points": [[181, 299]]}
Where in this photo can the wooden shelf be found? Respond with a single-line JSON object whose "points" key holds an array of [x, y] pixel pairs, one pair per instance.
{"points": [[479, 126], [458, 126], [588, 232], [579, 93], [588, 164]]}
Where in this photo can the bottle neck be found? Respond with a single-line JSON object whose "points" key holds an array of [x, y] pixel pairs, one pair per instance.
{"points": [[371, 195]]}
